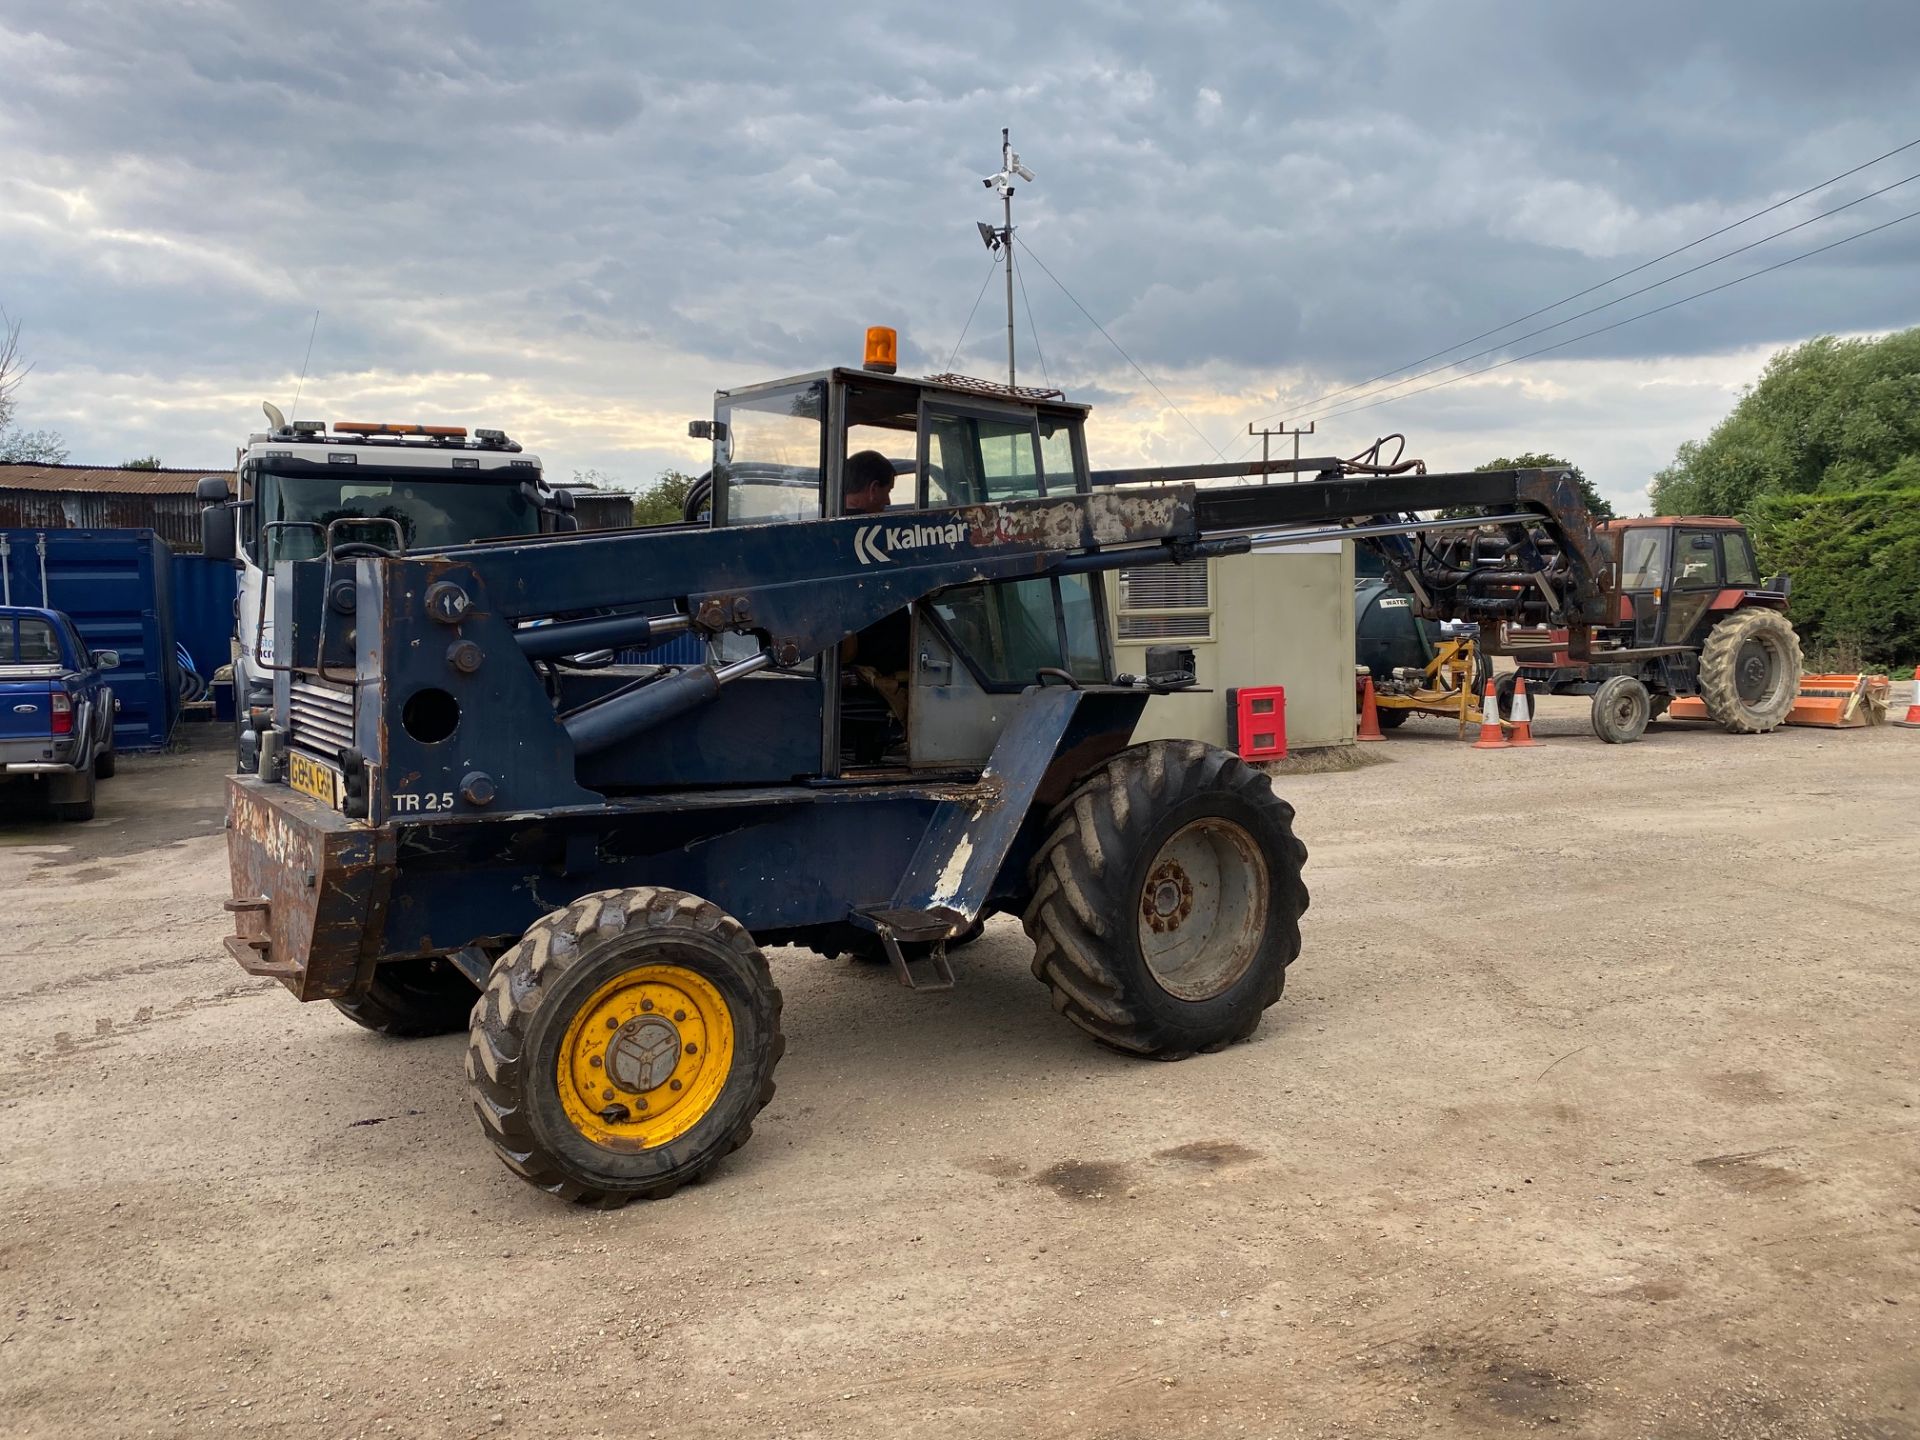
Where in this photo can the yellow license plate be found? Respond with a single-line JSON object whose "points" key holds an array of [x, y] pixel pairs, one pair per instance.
{"points": [[310, 777]]}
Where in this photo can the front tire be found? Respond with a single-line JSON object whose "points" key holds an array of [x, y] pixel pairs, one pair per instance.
{"points": [[1621, 709], [407, 999], [1167, 900], [624, 1046], [1750, 671]]}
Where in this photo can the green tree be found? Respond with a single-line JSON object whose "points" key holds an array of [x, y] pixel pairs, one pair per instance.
{"points": [[1830, 415], [663, 502], [1539, 460], [146, 462], [1821, 458], [1598, 504]]}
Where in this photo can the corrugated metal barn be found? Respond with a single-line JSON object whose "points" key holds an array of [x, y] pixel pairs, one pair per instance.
{"points": [[88, 497]]}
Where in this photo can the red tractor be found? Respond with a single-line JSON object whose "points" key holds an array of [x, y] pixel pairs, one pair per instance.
{"points": [[1690, 616]]}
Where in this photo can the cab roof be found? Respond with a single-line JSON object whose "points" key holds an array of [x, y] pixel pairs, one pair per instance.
{"points": [[958, 387], [1692, 522]]}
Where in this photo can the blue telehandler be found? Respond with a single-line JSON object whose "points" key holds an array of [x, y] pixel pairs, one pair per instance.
{"points": [[469, 814]]}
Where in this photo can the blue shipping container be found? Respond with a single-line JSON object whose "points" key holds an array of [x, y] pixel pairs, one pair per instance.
{"points": [[203, 592], [115, 586]]}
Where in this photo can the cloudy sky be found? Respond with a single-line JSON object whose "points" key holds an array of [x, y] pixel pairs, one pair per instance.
{"points": [[576, 221]]}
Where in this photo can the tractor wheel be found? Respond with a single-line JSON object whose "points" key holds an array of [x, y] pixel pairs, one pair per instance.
{"points": [[1167, 900], [1750, 671], [410, 998], [624, 1045], [1621, 709]]}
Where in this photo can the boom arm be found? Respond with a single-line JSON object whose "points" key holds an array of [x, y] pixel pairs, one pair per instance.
{"points": [[435, 635]]}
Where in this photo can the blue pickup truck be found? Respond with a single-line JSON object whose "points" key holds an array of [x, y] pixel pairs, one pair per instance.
{"points": [[56, 710]]}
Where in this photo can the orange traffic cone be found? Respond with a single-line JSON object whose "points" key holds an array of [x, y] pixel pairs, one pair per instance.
{"points": [[1369, 714], [1912, 722], [1520, 716], [1492, 737]]}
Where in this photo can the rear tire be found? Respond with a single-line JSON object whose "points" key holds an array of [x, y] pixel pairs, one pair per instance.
{"points": [[410, 998], [624, 1046], [1390, 719], [79, 810], [1167, 900], [1750, 671], [105, 764], [1621, 709]]}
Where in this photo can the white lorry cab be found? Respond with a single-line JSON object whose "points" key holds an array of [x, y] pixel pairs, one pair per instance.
{"points": [[298, 492]]}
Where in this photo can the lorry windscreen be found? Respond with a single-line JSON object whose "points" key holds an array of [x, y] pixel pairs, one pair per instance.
{"points": [[431, 512]]}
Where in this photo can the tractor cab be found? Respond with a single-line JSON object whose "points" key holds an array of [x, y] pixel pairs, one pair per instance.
{"points": [[1679, 573], [928, 686]]}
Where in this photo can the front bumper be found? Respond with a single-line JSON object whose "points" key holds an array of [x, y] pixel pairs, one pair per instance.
{"points": [[308, 888]]}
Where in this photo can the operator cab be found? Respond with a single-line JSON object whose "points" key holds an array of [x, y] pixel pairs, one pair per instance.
{"points": [[1674, 569], [927, 687]]}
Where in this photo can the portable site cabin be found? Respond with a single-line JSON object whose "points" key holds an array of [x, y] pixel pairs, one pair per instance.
{"points": [[1274, 617]]}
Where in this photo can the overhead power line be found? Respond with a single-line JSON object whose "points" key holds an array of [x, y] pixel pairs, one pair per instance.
{"points": [[1603, 329], [1620, 299], [1601, 285], [1116, 345]]}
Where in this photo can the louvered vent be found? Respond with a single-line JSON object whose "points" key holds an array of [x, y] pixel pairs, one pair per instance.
{"points": [[1166, 602]]}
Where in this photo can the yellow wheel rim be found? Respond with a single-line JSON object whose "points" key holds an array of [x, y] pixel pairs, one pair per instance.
{"points": [[645, 1057]]}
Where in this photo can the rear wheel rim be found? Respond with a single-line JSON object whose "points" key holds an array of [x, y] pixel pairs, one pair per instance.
{"points": [[645, 1057], [1755, 668], [1203, 909]]}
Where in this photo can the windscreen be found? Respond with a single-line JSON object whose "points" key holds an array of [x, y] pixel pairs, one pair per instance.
{"points": [[771, 469], [429, 512]]}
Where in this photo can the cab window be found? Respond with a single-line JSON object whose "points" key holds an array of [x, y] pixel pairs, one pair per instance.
{"points": [[1737, 555], [978, 459], [1643, 558], [1056, 454], [28, 641], [881, 421], [1696, 563], [769, 464]]}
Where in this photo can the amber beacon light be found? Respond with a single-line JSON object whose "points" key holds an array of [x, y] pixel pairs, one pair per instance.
{"points": [[883, 349]]}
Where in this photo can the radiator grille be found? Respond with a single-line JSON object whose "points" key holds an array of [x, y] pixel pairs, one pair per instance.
{"points": [[322, 717]]}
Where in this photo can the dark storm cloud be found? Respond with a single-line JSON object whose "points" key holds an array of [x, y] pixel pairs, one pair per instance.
{"points": [[1331, 188]]}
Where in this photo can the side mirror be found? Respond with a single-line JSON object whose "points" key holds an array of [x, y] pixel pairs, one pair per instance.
{"points": [[212, 490], [1701, 542], [217, 538], [106, 659]]}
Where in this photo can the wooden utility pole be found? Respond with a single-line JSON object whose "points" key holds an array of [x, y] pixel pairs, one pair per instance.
{"points": [[1267, 435]]}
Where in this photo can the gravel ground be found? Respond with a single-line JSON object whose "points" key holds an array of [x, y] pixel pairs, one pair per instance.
{"points": [[1589, 1108]]}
